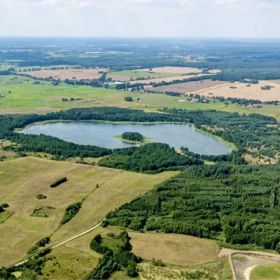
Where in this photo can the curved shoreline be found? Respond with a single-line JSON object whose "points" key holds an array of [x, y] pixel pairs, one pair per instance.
{"points": [[218, 138]]}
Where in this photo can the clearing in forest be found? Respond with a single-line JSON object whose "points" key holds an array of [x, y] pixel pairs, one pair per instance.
{"points": [[174, 248]]}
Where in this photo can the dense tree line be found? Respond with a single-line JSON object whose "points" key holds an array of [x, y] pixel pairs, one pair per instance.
{"points": [[150, 158], [239, 202], [70, 212]]}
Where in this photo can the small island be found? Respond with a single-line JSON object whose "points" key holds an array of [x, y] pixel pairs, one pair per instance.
{"points": [[133, 138]]}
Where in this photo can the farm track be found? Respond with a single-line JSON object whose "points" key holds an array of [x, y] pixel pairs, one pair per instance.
{"points": [[65, 241]]}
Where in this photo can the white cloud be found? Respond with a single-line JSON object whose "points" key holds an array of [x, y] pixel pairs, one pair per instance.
{"points": [[188, 18]]}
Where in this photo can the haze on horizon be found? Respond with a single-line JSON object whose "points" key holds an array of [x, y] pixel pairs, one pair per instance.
{"points": [[141, 18]]}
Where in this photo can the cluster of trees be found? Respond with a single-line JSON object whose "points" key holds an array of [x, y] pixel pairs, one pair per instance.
{"points": [[133, 136], [41, 243], [31, 269], [239, 202], [58, 182], [252, 131], [3, 206], [70, 212], [150, 158], [128, 99], [114, 260], [235, 157]]}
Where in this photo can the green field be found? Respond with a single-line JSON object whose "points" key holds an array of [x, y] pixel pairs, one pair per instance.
{"points": [[27, 97], [22, 179], [266, 272]]}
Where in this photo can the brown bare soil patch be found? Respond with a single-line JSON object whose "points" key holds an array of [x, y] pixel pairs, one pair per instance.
{"points": [[40, 111], [167, 69], [174, 248], [166, 79], [79, 74], [190, 87], [241, 90]]}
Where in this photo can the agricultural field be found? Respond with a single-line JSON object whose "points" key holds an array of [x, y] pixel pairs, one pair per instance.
{"points": [[21, 95], [174, 70], [22, 179], [189, 87], [243, 90], [128, 75], [156, 75], [166, 79], [70, 74]]}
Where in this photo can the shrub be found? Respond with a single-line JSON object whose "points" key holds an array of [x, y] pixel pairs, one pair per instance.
{"points": [[128, 99], [70, 212], [58, 182], [40, 196]]}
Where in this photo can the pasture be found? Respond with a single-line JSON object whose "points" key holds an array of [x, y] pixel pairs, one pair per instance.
{"points": [[22, 179], [70, 74]]}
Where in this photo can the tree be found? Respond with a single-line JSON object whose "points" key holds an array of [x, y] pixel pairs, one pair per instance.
{"points": [[132, 269], [128, 99]]}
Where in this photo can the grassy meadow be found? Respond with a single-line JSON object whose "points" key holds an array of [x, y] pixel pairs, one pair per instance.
{"points": [[22, 179]]}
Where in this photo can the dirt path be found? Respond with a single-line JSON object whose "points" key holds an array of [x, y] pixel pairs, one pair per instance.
{"points": [[67, 240], [248, 271]]}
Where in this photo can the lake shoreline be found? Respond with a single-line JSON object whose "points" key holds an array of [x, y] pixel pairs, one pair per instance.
{"points": [[186, 138]]}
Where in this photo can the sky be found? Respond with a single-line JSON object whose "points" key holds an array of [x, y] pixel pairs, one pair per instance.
{"points": [[141, 18]]}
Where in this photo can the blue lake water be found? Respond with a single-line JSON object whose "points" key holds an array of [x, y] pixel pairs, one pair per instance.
{"points": [[102, 135]]}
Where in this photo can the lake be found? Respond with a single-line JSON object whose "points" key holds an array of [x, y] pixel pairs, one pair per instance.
{"points": [[102, 135]]}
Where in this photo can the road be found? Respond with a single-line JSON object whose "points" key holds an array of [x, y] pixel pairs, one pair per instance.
{"points": [[66, 241]]}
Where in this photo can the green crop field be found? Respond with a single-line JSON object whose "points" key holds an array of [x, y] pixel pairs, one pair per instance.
{"points": [[22, 179], [266, 272]]}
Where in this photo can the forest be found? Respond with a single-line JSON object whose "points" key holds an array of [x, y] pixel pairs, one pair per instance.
{"points": [[150, 158], [133, 136], [237, 60], [117, 258], [230, 203]]}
